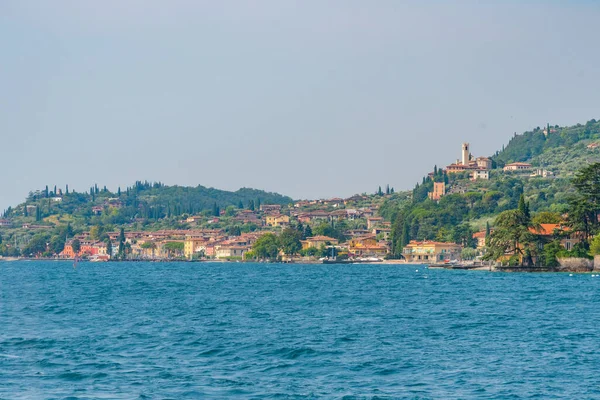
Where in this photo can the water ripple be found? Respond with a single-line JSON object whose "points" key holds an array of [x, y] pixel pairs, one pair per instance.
{"points": [[256, 331]]}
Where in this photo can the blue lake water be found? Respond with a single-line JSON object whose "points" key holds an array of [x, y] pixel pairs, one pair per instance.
{"points": [[193, 330]]}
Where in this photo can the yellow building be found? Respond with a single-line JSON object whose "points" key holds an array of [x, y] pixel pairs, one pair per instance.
{"points": [[431, 252], [317, 241], [277, 220], [193, 245], [366, 246]]}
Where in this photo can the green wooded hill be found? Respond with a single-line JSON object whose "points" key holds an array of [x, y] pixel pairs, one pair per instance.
{"points": [[472, 205], [144, 201], [559, 149]]}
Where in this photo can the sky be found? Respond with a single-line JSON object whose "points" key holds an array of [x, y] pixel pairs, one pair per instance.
{"points": [[310, 99]]}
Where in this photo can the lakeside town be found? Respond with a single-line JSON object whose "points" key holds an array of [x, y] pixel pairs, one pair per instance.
{"points": [[474, 212]]}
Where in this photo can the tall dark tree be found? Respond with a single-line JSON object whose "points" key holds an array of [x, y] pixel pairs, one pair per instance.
{"points": [[108, 247], [512, 235], [121, 251], [76, 246], [308, 231], [585, 206]]}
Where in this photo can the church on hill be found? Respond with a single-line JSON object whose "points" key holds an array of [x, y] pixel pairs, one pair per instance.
{"points": [[478, 167]]}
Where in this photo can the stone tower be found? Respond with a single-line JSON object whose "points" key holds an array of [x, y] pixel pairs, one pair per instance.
{"points": [[465, 154]]}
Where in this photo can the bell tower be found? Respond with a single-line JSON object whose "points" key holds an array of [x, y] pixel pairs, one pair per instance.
{"points": [[465, 154]]}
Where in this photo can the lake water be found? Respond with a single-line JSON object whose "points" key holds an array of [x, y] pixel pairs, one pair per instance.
{"points": [[194, 330]]}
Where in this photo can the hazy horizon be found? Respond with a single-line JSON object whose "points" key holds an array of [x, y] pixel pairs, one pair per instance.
{"points": [[309, 100]]}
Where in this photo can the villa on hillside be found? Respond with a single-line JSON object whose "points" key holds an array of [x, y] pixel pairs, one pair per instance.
{"points": [[517, 166], [277, 220]]}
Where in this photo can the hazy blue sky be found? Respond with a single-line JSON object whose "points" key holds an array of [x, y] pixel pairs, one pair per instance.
{"points": [[307, 98]]}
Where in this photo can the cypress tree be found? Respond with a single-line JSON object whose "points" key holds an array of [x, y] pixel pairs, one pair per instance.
{"points": [[108, 248], [405, 239], [67, 190], [240, 205], [122, 243], [308, 231]]}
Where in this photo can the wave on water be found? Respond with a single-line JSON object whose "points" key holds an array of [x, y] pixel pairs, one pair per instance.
{"points": [[151, 330]]}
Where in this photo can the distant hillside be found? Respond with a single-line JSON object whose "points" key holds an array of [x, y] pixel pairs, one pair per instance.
{"points": [[468, 205], [142, 201], [540, 145]]}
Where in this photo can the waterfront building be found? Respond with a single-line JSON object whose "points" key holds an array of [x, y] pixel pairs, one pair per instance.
{"points": [[430, 251], [366, 246], [317, 241]]}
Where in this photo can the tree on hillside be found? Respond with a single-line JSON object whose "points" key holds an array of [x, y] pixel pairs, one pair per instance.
{"points": [[174, 249], [289, 241], [547, 217], [584, 208], [37, 245], [307, 231], [266, 247], [512, 237], [108, 247], [76, 246], [121, 251]]}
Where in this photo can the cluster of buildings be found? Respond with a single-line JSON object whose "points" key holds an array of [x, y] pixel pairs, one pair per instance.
{"points": [[479, 168], [201, 241]]}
